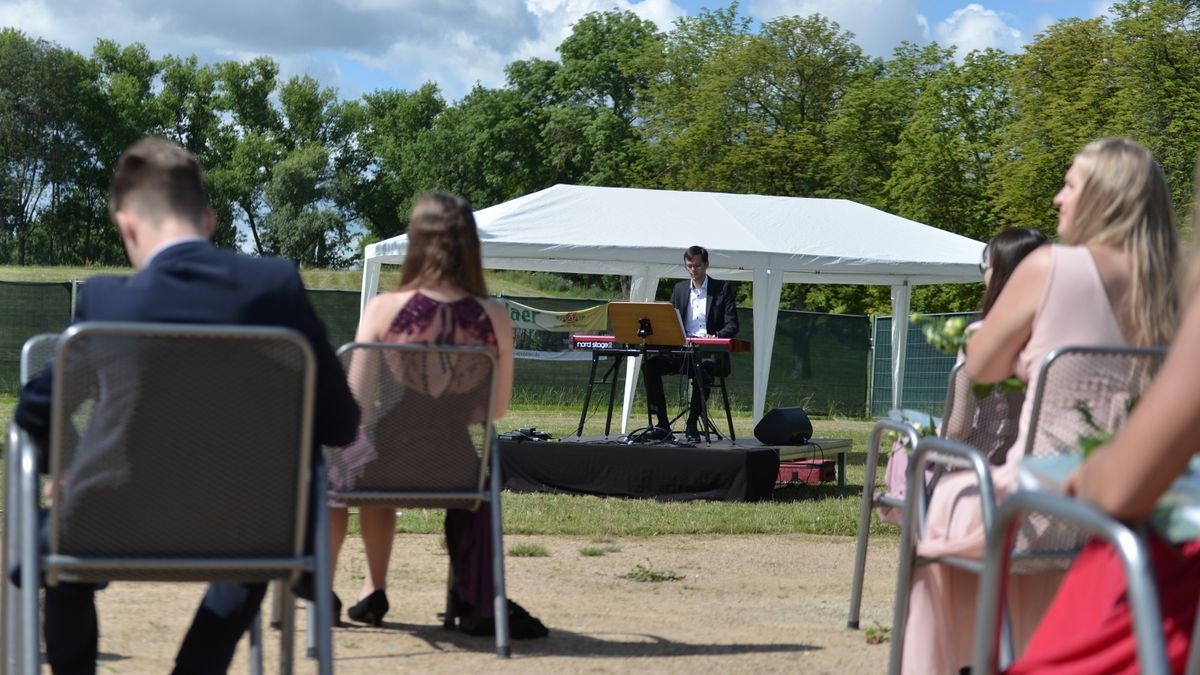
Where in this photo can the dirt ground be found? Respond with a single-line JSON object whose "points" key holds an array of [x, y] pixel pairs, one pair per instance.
{"points": [[750, 603]]}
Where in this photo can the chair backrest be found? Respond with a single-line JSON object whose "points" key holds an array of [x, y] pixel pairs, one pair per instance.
{"points": [[180, 442], [988, 422], [427, 430], [1106, 381], [1075, 385], [37, 352]]}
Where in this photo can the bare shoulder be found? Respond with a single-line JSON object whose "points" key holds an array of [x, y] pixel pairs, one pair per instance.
{"points": [[381, 310], [497, 311], [387, 303]]}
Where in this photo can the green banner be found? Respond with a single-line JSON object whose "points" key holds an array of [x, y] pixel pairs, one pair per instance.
{"points": [[588, 320]]}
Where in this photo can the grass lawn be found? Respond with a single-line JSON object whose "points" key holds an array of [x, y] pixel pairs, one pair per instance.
{"points": [[815, 509]]}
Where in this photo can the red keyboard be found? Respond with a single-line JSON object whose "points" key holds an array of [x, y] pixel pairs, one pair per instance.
{"points": [[712, 344]]}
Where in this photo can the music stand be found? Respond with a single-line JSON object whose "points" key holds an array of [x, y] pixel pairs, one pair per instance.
{"points": [[646, 324], [658, 324]]}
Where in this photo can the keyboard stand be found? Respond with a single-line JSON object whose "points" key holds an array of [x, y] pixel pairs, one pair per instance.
{"points": [[614, 370]]}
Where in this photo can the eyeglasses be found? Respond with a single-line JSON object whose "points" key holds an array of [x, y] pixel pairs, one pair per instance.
{"points": [[695, 266]]}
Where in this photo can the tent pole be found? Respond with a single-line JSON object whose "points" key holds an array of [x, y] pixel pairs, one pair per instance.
{"points": [[641, 289], [768, 285], [901, 301], [370, 283]]}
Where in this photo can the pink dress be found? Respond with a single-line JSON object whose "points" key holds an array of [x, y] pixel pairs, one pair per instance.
{"points": [[941, 615]]}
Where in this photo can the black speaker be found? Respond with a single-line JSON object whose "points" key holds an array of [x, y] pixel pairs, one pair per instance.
{"points": [[784, 426]]}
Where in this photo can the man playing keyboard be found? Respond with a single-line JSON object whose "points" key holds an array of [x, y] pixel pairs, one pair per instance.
{"points": [[707, 308]]}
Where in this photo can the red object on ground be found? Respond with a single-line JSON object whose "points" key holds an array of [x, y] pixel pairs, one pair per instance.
{"points": [[808, 471]]}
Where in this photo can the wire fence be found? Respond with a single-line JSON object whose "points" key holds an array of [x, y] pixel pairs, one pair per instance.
{"points": [[829, 364]]}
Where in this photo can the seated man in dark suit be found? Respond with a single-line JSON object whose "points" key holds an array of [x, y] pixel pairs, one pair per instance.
{"points": [[708, 308], [158, 204]]}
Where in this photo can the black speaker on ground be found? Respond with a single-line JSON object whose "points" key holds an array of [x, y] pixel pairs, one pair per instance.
{"points": [[784, 426]]}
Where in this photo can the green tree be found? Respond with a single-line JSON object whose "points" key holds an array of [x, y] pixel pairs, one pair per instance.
{"points": [[43, 141], [1063, 93]]}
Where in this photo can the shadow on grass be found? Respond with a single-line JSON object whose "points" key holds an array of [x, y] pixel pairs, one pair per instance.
{"points": [[805, 493], [562, 643]]}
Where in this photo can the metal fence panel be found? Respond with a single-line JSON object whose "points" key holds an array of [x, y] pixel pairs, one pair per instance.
{"points": [[926, 370]]}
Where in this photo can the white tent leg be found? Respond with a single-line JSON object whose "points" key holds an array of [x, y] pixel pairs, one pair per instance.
{"points": [[901, 301], [370, 284], [767, 287], [641, 289]]}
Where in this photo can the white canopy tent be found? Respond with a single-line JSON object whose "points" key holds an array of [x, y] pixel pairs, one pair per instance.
{"points": [[766, 240]]}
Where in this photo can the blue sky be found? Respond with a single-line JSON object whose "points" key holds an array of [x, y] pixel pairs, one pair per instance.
{"points": [[362, 45]]}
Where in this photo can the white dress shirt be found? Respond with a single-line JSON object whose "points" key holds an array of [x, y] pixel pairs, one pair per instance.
{"points": [[696, 322]]}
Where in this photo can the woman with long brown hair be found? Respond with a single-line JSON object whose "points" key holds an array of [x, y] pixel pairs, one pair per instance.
{"points": [[442, 300]]}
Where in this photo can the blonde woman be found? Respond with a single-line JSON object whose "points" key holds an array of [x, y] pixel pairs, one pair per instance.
{"points": [[1109, 283]]}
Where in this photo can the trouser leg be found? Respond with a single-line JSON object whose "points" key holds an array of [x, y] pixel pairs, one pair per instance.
{"points": [[223, 617], [72, 630], [653, 370], [698, 402]]}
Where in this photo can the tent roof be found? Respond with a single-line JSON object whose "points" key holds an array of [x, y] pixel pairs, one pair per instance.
{"points": [[572, 228]]}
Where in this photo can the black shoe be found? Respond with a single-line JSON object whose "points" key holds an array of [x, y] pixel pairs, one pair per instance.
{"points": [[658, 433], [692, 434], [521, 624], [370, 610], [337, 611]]}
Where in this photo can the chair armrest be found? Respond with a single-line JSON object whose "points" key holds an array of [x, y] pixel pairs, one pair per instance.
{"points": [[872, 467], [1129, 545], [944, 452]]}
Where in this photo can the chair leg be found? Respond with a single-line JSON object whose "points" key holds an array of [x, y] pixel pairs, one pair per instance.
{"points": [[287, 634], [864, 529], [323, 579], [30, 564], [279, 595], [11, 608], [503, 646]]}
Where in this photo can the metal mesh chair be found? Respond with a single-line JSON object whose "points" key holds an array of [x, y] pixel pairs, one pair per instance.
{"points": [[1129, 546], [988, 423], [427, 439], [178, 453], [1105, 381]]}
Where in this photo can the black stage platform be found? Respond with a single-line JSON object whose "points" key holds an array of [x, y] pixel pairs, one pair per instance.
{"points": [[741, 471]]}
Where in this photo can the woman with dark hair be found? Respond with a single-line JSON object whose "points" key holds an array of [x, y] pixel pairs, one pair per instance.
{"points": [[442, 300], [1110, 283], [1001, 257]]}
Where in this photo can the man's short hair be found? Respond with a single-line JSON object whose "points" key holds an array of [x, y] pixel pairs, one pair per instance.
{"points": [[694, 252], [158, 179]]}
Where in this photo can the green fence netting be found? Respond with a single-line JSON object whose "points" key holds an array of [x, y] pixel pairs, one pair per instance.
{"points": [[822, 362], [27, 309]]}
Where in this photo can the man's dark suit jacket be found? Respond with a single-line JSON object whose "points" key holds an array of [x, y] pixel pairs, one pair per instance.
{"points": [[721, 316], [195, 282]]}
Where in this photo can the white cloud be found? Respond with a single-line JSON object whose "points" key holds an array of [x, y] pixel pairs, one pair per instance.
{"points": [[976, 27], [878, 25], [555, 18], [454, 42]]}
